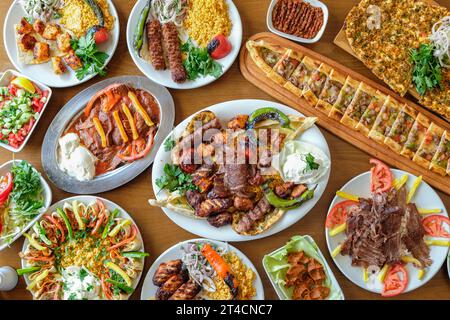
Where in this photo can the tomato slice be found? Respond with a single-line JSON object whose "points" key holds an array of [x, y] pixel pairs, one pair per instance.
{"points": [[434, 226], [6, 185], [381, 180], [396, 281], [338, 214]]}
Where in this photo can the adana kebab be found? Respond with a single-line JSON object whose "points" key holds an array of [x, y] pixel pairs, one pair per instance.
{"points": [[155, 48], [172, 45]]}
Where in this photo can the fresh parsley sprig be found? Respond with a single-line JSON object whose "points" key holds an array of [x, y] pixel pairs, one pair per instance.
{"points": [[93, 59], [174, 179], [198, 62], [427, 71], [311, 163]]}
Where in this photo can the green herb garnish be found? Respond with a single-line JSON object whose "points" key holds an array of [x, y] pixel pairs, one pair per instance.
{"points": [[310, 163], [169, 144], [427, 71], [93, 59], [174, 179], [198, 62]]}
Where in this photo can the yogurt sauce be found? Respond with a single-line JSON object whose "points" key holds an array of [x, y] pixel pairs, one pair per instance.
{"points": [[80, 284]]}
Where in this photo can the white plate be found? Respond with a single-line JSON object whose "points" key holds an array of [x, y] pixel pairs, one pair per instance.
{"points": [[6, 167], [44, 71], [164, 78], [315, 3], [425, 197], [277, 288], [174, 252], [111, 206], [226, 111], [5, 79]]}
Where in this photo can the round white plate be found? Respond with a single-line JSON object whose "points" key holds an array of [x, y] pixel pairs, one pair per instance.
{"points": [[111, 206], [425, 197], [226, 111], [173, 253], [164, 78], [44, 72]]}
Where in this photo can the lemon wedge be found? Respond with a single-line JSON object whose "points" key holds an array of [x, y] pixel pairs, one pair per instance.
{"points": [[24, 83]]}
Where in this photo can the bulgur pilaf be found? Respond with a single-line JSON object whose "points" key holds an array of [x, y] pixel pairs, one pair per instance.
{"points": [[244, 275], [78, 17], [206, 19]]}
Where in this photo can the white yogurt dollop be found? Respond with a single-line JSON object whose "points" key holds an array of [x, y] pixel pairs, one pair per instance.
{"points": [[74, 159], [80, 284]]}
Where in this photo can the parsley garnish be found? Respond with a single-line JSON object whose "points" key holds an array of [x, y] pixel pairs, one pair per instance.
{"points": [[427, 71], [174, 179], [198, 62], [83, 274], [169, 144], [310, 163], [93, 59], [73, 296]]}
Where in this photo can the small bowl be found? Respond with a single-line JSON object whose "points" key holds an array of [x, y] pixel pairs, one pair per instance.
{"points": [[4, 81], [4, 168], [319, 35]]}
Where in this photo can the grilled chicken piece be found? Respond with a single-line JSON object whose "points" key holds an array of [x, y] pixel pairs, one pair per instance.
{"points": [[51, 31], [169, 287], [238, 122], [298, 190], [211, 206], [28, 41], [63, 42], [187, 291], [72, 60], [39, 26], [41, 51], [243, 204], [24, 27], [166, 270], [220, 220], [284, 190], [205, 151], [58, 65]]}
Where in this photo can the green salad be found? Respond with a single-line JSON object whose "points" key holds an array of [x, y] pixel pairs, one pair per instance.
{"points": [[276, 265]]}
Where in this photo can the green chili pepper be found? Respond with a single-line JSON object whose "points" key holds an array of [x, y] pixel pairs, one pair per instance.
{"points": [[287, 204], [97, 11], [41, 233], [135, 254], [121, 286], [139, 33], [111, 218], [66, 221], [268, 113], [21, 272]]}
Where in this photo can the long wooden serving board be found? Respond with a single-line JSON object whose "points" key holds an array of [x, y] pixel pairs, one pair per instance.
{"points": [[256, 76], [342, 42]]}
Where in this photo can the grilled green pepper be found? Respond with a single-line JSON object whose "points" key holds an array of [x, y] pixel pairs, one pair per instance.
{"points": [[21, 272], [121, 286], [139, 32], [66, 222], [111, 218], [135, 254], [268, 113], [97, 11], [287, 204]]}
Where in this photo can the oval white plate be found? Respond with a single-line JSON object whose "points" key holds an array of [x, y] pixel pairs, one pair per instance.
{"points": [[174, 252], [44, 72], [111, 206], [225, 111], [6, 167], [164, 78], [425, 197]]}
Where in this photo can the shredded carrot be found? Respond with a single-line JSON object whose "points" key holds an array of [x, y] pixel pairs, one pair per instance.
{"points": [[125, 241]]}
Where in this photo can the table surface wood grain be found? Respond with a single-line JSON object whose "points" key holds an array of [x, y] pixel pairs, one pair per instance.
{"points": [[161, 233]]}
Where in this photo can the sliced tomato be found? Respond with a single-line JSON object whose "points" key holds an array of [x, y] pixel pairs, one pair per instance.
{"points": [[6, 185], [338, 214], [134, 153], [396, 281], [434, 226], [381, 180]]}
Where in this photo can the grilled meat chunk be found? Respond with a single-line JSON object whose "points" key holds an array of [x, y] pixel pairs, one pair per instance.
{"points": [[58, 66], [28, 42], [256, 180], [220, 220], [298, 190], [63, 42], [39, 26], [41, 51], [51, 31], [166, 270], [72, 60], [243, 204], [211, 206], [236, 178], [194, 198], [197, 135], [219, 190], [238, 123], [284, 190], [172, 44], [168, 288], [187, 291], [155, 48], [258, 212], [24, 27]]}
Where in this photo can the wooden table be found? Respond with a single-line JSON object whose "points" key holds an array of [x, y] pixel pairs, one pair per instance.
{"points": [[158, 231]]}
